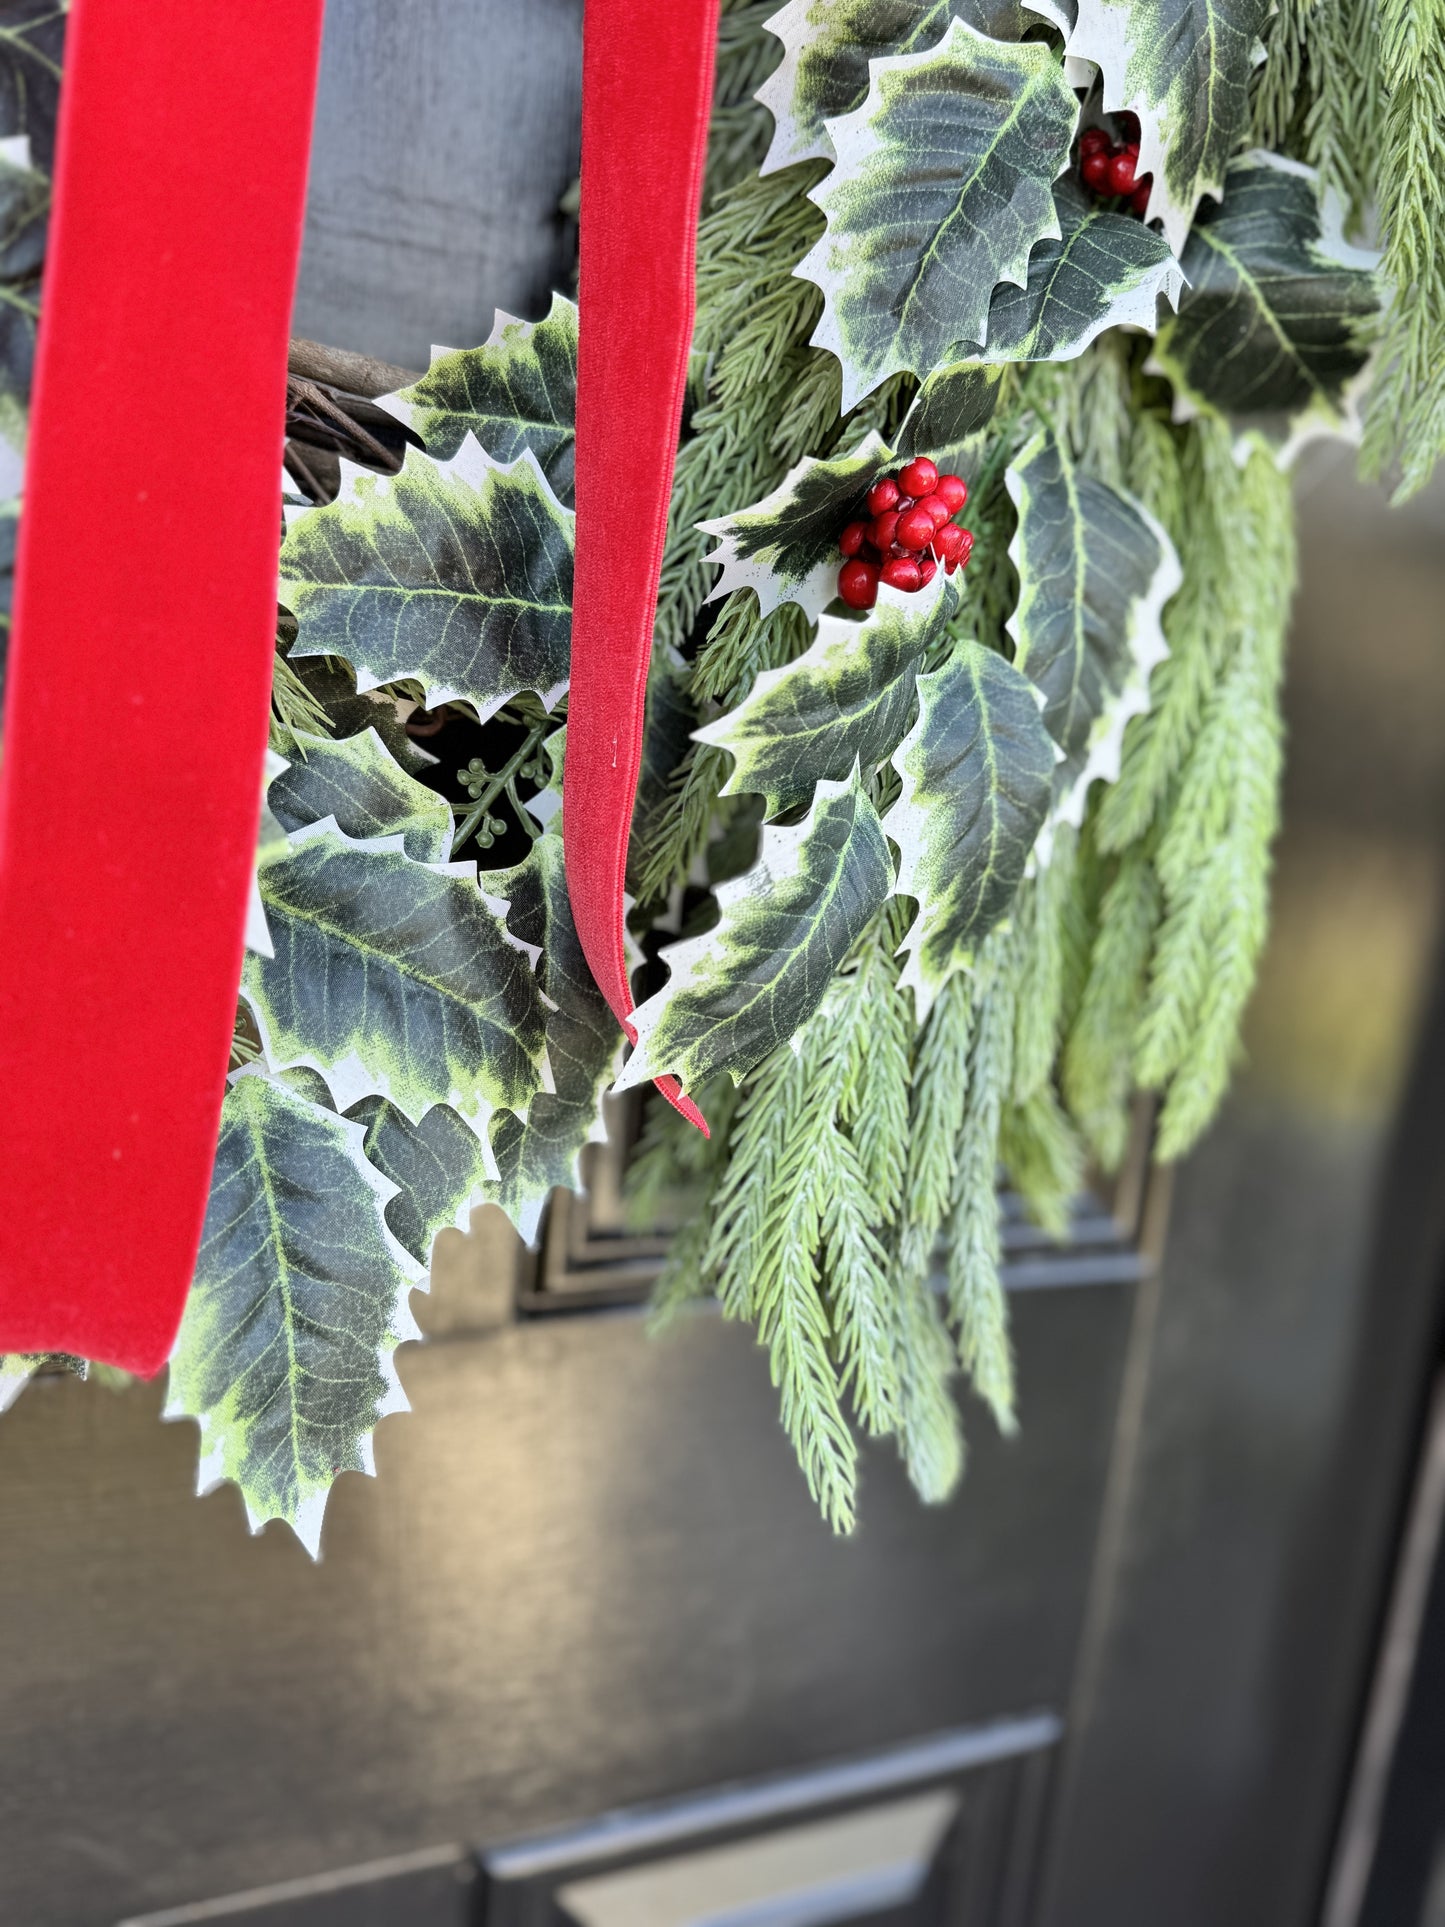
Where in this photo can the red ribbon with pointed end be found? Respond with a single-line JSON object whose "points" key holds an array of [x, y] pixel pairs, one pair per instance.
{"points": [[646, 91], [140, 667]]}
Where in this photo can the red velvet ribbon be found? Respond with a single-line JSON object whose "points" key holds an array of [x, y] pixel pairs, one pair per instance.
{"points": [[647, 70], [140, 665]]}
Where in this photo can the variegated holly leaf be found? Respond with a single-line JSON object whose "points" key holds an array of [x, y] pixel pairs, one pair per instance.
{"points": [[827, 45], [1270, 330], [671, 718], [24, 214], [394, 979], [1095, 570], [942, 188], [978, 772], [32, 46], [955, 403], [537, 1152], [456, 575], [848, 698], [9, 532], [786, 546], [517, 391], [1105, 270], [285, 1353], [742, 988], [1183, 66], [359, 783], [439, 1166]]}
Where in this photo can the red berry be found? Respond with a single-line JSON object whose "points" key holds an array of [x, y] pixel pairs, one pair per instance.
{"points": [[903, 504], [903, 573], [948, 542], [853, 538], [883, 495], [1129, 127], [937, 508], [1139, 199], [881, 532], [918, 477], [1093, 140], [915, 529], [928, 569], [1121, 173], [953, 490], [1095, 171], [858, 584]]}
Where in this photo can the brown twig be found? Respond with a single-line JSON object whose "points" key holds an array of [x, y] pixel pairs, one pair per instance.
{"points": [[344, 368]]}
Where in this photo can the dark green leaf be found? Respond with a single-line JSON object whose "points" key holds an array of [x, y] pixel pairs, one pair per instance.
{"points": [[439, 1166], [954, 403], [942, 187], [1095, 570], [32, 45], [393, 979], [359, 783], [455, 575], [978, 771], [849, 698], [299, 1301], [741, 989], [517, 391], [1269, 330]]}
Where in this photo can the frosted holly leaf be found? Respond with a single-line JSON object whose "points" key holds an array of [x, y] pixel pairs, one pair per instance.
{"points": [[1183, 66], [827, 45], [1270, 329], [942, 187], [539, 1151], [285, 1353], [456, 575], [438, 1166], [1105, 270], [956, 402], [978, 772], [849, 698], [394, 979], [786, 546], [517, 391], [32, 46], [359, 782], [1095, 570], [743, 988]]}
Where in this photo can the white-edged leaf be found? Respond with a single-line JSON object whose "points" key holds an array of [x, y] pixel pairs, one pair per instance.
{"points": [[742, 988], [1183, 66], [438, 1165], [394, 979], [942, 187], [848, 698], [1095, 570], [978, 772], [285, 1353], [517, 391], [456, 575], [357, 780]]}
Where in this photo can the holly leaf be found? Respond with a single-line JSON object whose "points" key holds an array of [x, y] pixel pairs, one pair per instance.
{"points": [[1095, 570], [456, 575], [1270, 330], [285, 1353], [438, 1165], [848, 698], [517, 391], [9, 534], [827, 48], [942, 188], [539, 1152], [32, 45], [956, 402], [24, 216], [743, 988], [1104, 270], [359, 783], [978, 771], [394, 979], [786, 546], [1183, 66]]}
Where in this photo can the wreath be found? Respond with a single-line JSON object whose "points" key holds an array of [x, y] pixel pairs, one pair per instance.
{"points": [[948, 841]]}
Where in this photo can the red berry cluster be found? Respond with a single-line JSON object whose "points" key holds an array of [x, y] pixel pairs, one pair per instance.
{"points": [[1109, 167], [911, 531]]}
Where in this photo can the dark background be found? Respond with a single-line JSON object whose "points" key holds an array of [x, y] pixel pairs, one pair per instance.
{"points": [[587, 1572]]}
